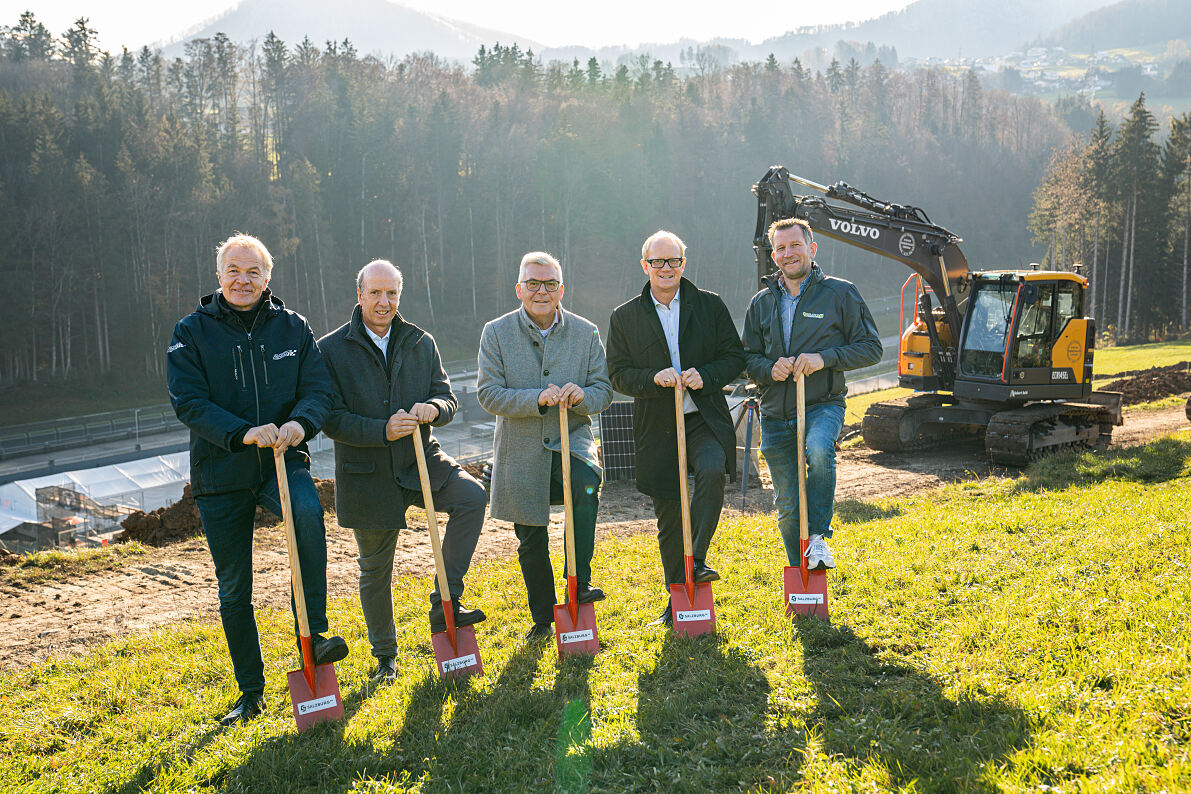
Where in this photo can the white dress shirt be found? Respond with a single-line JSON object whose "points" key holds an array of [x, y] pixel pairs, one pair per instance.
{"points": [[380, 341], [669, 317]]}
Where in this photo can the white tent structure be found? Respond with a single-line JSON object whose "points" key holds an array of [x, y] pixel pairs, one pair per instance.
{"points": [[140, 485]]}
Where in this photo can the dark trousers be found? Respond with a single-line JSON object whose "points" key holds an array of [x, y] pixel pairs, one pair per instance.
{"points": [[228, 522], [705, 457], [463, 500], [533, 551]]}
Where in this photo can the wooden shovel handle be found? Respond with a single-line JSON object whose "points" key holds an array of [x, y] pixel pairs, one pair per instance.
{"points": [[684, 503], [801, 402], [440, 567], [567, 499], [291, 538]]}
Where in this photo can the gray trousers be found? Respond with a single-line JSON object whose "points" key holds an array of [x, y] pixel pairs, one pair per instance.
{"points": [[464, 501], [705, 458]]}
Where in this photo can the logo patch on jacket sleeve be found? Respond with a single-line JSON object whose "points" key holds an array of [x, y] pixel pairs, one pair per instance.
{"points": [[283, 354], [813, 316], [174, 347]]}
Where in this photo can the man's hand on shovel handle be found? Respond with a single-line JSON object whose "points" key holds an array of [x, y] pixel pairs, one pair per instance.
{"points": [[281, 438]]}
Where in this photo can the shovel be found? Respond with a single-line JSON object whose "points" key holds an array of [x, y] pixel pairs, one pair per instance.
{"points": [[574, 623], [314, 691], [750, 405], [805, 591], [456, 654], [691, 605]]}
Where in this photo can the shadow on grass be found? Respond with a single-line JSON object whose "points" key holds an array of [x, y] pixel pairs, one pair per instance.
{"points": [[855, 511], [897, 718], [455, 736], [700, 723], [1158, 461]]}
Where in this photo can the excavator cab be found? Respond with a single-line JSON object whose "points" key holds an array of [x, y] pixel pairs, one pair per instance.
{"points": [[1025, 338]]}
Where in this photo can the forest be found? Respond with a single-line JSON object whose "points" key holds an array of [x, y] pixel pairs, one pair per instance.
{"points": [[120, 173]]}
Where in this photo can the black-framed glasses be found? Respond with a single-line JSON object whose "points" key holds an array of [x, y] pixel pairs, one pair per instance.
{"points": [[533, 285], [674, 262]]}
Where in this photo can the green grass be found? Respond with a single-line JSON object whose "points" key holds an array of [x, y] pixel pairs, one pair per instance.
{"points": [[1000, 635], [1111, 360], [63, 564]]}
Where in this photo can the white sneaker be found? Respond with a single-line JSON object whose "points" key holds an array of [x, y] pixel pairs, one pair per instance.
{"points": [[818, 556]]}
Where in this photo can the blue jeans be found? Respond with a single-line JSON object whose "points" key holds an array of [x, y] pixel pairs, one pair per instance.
{"points": [[228, 523], [779, 445]]}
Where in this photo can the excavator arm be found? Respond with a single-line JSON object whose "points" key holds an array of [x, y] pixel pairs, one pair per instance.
{"points": [[895, 231]]}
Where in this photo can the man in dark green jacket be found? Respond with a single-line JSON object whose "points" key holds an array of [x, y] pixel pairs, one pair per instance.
{"points": [[808, 323], [388, 380], [675, 335]]}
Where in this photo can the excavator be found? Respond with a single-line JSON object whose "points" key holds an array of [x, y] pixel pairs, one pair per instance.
{"points": [[1006, 354]]}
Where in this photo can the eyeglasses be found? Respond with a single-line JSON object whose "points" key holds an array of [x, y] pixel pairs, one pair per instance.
{"points": [[658, 264], [533, 285]]}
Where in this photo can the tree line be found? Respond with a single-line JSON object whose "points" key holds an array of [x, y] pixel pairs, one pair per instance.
{"points": [[1118, 199], [119, 173]]}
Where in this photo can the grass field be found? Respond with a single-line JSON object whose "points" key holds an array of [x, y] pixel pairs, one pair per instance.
{"points": [[1000, 635]]}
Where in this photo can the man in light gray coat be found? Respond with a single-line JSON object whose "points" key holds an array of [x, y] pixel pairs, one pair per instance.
{"points": [[389, 380], [523, 357]]}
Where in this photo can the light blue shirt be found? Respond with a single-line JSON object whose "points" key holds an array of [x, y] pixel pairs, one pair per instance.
{"points": [[789, 307], [669, 317], [380, 341]]}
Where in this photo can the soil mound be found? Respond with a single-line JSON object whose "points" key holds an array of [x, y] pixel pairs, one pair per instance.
{"points": [[1153, 384], [181, 519]]}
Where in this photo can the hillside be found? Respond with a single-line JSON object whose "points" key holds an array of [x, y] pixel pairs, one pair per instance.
{"points": [[372, 26], [1003, 634], [1129, 23], [945, 28]]}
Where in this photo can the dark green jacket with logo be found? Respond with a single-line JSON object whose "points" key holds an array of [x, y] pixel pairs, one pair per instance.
{"points": [[831, 319]]}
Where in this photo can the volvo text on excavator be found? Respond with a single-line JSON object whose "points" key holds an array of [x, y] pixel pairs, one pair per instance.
{"points": [[1003, 353]]}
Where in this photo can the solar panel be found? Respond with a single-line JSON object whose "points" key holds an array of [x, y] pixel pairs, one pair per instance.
{"points": [[618, 449]]}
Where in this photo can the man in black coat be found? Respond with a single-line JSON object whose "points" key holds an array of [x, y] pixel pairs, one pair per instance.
{"points": [[246, 377], [388, 380], [675, 335]]}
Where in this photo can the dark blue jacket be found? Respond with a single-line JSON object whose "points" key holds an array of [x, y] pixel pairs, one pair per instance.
{"points": [[225, 378]]}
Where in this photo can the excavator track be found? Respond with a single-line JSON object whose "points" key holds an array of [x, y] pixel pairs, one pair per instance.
{"points": [[1020, 435], [890, 426]]}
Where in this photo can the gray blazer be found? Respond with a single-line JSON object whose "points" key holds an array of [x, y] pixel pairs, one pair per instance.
{"points": [[515, 365]]}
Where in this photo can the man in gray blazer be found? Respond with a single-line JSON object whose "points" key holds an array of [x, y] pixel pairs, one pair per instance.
{"points": [[524, 357], [389, 380]]}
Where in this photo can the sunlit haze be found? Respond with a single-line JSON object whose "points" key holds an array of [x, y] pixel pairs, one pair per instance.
{"points": [[132, 23]]}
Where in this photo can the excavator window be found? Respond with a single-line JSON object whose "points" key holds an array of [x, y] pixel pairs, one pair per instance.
{"points": [[983, 352], [1035, 330]]}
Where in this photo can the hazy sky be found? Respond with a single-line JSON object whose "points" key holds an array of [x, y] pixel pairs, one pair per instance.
{"points": [[609, 22]]}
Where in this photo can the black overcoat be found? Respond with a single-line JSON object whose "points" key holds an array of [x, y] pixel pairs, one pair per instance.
{"points": [[370, 471], [637, 350]]}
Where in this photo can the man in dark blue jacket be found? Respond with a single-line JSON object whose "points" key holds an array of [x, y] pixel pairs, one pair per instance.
{"points": [[246, 377], [803, 322]]}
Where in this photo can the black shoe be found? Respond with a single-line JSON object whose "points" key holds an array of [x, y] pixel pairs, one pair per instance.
{"points": [[463, 616], [665, 619], [386, 669], [539, 632], [704, 574], [248, 706], [328, 650], [589, 595]]}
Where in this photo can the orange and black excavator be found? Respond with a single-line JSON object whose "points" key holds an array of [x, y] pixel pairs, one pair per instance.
{"points": [[1002, 353]]}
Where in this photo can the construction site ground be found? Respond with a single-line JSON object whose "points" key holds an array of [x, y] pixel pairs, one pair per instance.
{"points": [[177, 581]]}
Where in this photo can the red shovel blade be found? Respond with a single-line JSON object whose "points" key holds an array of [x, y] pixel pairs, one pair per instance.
{"points": [[692, 616], [318, 705], [806, 597], [460, 659], [576, 635]]}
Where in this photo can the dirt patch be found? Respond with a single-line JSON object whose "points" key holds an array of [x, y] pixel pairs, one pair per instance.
{"points": [[1142, 386], [178, 581]]}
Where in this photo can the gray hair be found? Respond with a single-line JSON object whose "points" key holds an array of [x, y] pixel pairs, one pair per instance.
{"points": [[239, 240], [397, 270], [662, 234], [538, 258]]}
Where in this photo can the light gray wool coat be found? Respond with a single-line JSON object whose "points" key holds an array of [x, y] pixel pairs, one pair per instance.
{"points": [[515, 365]]}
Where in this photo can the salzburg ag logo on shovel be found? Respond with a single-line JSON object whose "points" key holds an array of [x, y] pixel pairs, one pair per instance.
{"points": [[459, 663], [318, 704], [848, 227], [806, 598], [568, 637], [695, 614]]}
